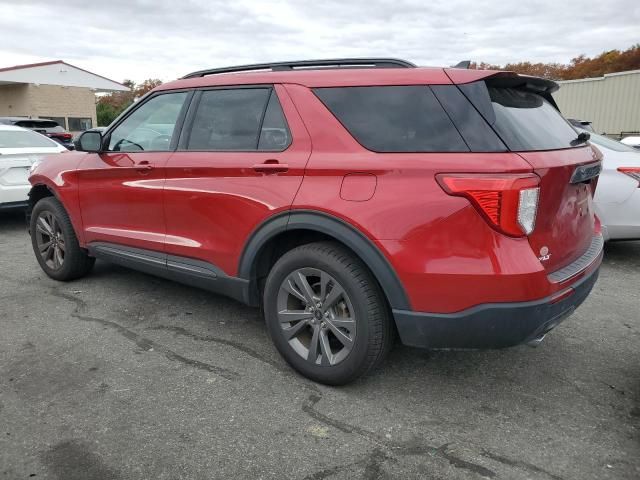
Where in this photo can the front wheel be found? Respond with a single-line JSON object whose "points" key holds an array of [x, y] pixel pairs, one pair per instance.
{"points": [[55, 243], [326, 314]]}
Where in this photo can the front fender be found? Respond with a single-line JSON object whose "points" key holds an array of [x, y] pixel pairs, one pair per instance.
{"points": [[58, 173]]}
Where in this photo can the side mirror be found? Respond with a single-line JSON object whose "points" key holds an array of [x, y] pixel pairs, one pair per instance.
{"points": [[90, 141]]}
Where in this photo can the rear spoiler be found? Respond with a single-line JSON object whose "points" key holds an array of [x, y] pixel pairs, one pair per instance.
{"points": [[514, 80], [495, 78], [541, 86]]}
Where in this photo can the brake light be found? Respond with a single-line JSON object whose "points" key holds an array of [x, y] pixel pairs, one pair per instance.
{"points": [[508, 201], [633, 172]]}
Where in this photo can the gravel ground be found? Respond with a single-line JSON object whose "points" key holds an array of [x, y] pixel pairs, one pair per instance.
{"points": [[125, 376]]}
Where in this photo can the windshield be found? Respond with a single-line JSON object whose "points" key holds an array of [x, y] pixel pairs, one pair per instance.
{"points": [[605, 142], [24, 139]]}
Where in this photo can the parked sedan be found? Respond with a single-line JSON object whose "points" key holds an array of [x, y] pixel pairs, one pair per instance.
{"points": [[50, 128], [617, 198], [633, 141], [19, 149]]}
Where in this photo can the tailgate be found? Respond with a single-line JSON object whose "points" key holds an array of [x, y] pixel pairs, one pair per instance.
{"points": [[565, 221], [521, 111]]}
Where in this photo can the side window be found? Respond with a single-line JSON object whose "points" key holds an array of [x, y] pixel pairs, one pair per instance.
{"points": [[150, 127], [394, 118], [274, 134], [243, 119], [474, 129]]}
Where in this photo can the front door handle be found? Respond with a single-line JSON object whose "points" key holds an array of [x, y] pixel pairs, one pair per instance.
{"points": [[271, 166], [143, 166]]}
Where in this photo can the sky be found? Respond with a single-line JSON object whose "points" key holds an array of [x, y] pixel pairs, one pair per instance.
{"points": [[166, 39]]}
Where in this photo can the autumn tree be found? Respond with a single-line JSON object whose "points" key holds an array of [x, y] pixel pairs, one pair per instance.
{"points": [[579, 67]]}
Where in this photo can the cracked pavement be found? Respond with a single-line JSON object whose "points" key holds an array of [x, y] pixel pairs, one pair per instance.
{"points": [[121, 375]]}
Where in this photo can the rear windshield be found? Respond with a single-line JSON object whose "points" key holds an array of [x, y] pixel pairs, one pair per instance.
{"points": [[526, 121], [24, 139], [38, 124], [394, 118]]}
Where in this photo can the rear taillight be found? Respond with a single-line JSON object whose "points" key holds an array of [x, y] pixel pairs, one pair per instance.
{"points": [[633, 172], [509, 202]]}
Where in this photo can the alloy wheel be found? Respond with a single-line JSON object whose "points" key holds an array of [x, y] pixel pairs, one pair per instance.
{"points": [[316, 316], [50, 240]]}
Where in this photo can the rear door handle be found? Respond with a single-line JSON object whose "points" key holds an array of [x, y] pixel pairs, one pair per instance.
{"points": [[271, 166]]}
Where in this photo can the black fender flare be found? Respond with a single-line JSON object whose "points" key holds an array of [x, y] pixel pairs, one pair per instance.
{"points": [[337, 228]]}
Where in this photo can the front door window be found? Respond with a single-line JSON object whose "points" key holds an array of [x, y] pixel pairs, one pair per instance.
{"points": [[150, 127]]}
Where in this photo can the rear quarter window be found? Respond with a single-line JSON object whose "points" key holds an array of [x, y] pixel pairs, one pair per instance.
{"points": [[393, 118]]}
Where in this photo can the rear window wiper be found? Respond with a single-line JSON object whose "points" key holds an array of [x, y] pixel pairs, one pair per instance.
{"points": [[582, 137]]}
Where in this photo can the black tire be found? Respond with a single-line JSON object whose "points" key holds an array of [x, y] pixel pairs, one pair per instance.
{"points": [[373, 333], [75, 262]]}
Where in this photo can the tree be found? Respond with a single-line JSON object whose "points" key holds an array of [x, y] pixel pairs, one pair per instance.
{"points": [[146, 87], [108, 107], [106, 113], [579, 67]]}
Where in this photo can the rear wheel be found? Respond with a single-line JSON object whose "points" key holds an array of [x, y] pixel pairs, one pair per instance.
{"points": [[326, 313], [55, 243]]}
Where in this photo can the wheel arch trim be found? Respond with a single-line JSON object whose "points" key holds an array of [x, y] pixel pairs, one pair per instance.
{"points": [[334, 227]]}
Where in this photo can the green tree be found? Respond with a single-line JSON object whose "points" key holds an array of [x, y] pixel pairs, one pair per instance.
{"points": [[106, 113]]}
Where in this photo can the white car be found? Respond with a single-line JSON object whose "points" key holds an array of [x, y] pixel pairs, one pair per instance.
{"points": [[632, 141], [617, 199], [19, 149]]}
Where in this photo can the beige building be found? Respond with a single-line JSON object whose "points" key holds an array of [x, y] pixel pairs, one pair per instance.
{"points": [[611, 102], [54, 90]]}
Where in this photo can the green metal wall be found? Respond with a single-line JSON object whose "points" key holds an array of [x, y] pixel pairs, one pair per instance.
{"points": [[611, 102]]}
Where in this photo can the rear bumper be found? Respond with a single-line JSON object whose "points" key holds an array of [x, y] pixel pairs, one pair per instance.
{"points": [[495, 325]]}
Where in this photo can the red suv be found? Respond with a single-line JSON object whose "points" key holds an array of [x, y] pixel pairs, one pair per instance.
{"points": [[351, 199]]}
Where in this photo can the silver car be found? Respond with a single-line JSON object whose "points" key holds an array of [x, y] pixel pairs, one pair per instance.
{"points": [[617, 198]]}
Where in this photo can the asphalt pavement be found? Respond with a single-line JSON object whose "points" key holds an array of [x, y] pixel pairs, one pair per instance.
{"points": [[121, 375]]}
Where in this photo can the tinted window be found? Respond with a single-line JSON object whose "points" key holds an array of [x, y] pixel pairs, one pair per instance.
{"points": [[42, 124], [59, 120], [477, 133], [149, 127], [229, 120], [24, 139], [394, 119], [274, 134], [526, 121]]}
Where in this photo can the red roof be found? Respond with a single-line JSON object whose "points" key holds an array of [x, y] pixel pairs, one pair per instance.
{"points": [[53, 62], [337, 77]]}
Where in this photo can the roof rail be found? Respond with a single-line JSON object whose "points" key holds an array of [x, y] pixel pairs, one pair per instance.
{"points": [[309, 64]]}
